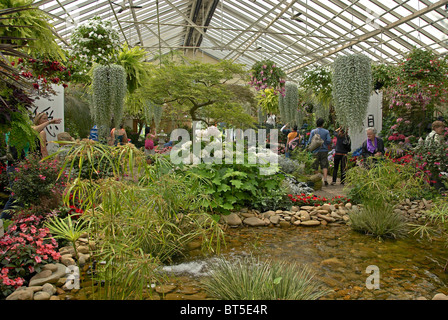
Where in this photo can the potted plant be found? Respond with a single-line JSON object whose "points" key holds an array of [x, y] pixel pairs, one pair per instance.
{"points": [[352, 78], [266, 74]]}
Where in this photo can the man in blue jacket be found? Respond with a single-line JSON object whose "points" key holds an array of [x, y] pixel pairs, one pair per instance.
{"points": [[321, 154]]}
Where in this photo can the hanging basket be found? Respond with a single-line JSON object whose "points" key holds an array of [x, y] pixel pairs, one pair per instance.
{"points": [[266, 74]]}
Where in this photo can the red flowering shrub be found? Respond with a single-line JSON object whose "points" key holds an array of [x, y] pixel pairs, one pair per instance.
{"points": [[36, 183], [313, 200], [24, 249]]}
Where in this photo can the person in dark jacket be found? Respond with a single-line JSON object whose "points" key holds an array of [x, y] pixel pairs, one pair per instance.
{"points": [[373, 147], [343, 146]]}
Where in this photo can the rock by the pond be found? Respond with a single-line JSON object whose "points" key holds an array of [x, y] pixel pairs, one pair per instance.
{"points": [[304, 216], [440, 296], [51, 273], [49, 288], [284, 224], [67, 260], [267, 214], [310, 223], [165, 288], [42, 295], [254, 222], [232, 219], [22, 293], [274, 219]]}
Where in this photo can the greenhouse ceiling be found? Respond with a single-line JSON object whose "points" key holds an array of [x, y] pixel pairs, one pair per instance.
{"points": [[294, 34]]}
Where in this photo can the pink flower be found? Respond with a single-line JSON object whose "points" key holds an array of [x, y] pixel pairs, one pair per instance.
{"points": [[38, 259], [42, 177]]}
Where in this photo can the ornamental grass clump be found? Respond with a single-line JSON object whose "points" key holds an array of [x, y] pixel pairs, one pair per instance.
{"points": [[248, 278], [379, 220]]}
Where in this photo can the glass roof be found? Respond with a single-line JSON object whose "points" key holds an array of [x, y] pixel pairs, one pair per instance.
{"points": [[294, 34]]}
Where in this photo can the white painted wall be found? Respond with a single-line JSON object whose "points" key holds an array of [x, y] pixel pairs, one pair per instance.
{"points": [[374, 110], [53, 106]]}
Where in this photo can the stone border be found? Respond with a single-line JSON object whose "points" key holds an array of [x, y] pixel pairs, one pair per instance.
{"points": [[298, 216]]}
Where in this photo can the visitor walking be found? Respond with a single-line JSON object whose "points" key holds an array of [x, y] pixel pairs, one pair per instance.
{"points": [[321, 154], [343, 146]]}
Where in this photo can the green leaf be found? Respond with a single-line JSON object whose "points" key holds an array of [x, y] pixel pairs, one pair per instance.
{"points": [[277, 280], [236, 183]]}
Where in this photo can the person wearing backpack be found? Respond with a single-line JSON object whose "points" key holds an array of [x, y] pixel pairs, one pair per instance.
{"points": [[343, 146], [320, 153], [292, 136]]}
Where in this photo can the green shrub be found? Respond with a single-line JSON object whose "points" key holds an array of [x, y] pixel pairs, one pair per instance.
{"points": [[251, 279], [379, 220], [386, 182]]}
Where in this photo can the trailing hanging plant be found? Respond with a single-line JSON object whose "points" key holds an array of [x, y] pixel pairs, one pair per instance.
{"points": [[352, 78], [157, 112], [96, 41], [289, 104], [266, 74], [108, 93]]}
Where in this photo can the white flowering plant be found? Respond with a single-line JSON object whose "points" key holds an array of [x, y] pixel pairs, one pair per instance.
{"points": [[96, 41]]}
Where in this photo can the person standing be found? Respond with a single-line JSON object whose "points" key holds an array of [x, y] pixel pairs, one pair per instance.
{"points": [[120, 136], [149, 142], [343, 146], [291, 135], [41, 121], [321, 154]]}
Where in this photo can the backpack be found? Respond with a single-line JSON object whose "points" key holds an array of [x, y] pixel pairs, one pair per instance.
{"points": [[294, 143], [316, 142]]}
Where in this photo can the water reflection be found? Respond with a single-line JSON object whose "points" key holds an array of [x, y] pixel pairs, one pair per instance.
{"points": [[409, 268]]}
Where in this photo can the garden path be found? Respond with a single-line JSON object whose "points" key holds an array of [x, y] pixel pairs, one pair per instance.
{"points": [[331, 191]]}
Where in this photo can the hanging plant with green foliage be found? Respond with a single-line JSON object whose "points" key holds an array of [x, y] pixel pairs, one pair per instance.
{"points": [[26, 27], [267, 101], [96, 41], [108, 93], [318, 82], [352, 84], [132, 60], [289, 104], [157, 112], [266, 74]]}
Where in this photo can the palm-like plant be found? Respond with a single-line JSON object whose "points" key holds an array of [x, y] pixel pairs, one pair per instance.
{"points": [[68, 229]]}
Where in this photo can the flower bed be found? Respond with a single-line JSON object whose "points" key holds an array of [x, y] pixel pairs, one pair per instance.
{"points": [[313, 200], [24, 249]]}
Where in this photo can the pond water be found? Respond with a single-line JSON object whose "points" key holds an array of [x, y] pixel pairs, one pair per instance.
{"points": [[408, 269]]}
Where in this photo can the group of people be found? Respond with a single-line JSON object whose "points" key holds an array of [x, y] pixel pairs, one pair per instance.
{"points": [[371, 149]]}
